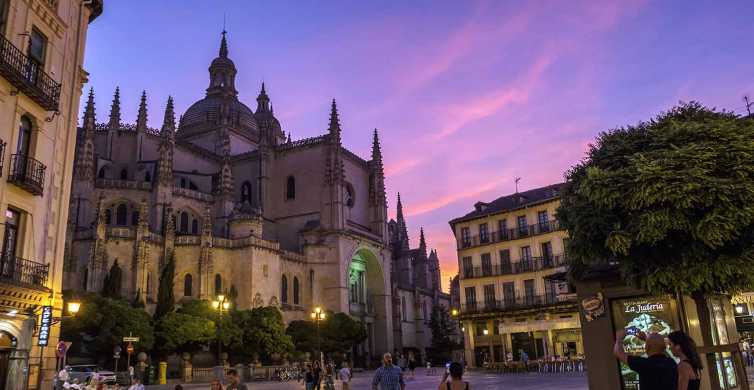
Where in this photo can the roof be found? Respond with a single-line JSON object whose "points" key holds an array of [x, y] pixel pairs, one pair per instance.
{"points": [[512, 202]]}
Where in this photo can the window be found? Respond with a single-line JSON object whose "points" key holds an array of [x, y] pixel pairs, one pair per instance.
{"points": [[101, 173], [468, 267], [505, 261], [489, 296], [218, 284], [523, 226], [311, 283], [296, 298], [525, 263], [496, 327], [350, 200], [284, 290], [184, 223], [10, 239], [37, 47], [187, 285], [149, 287], [479, 328], [529, 291], [3, 15], [502, 229], [24, 138], [486, 264], [147, 177], [183, 183], [509, 293], [246, 192], [484, 236], [547, 254], [194, 227], [543, 221], [471, 297], [121, 215], [465, 237], [135, 218], [290, 188], [403, 309], [108, 217], [124, 174]]}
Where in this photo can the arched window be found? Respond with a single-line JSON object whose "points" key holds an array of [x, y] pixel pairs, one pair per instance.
{"points": [[218, 284], [149, 287], [108, 217], [194, 227], [290, 188], [147, 177], [296, 299], [311, 284], [135, 218], [101, 173], [183, 183], [124, 174], [24, 137], [121, 215], [284, 290], [86, 278], [187, 285], [350, 199], [246, 192], [184, 223]]}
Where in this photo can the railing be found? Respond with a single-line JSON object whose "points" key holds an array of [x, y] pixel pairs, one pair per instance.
{"points": [[522, 266], [510, 234], [188, 240], [28, 76], [120, 232], [18, 270], [27, 173], [517, 303], [301, 143], [244, 242], [291, 307], [198, 195], [124, 184]]}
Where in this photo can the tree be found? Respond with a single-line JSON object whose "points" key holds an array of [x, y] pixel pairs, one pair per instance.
{"points": [[303, 334], [670, 202], [443, 330], [178, 332], [339, 333], [263, 332], [113, 281], [227, 332], [165, 296]]}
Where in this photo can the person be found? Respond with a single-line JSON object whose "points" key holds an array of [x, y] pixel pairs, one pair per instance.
{"points": [[329, 380], [453, 378], [684, 348], [235, 382], [309, 377], [345, 376], [215, 385], [317, 372], [524, 359], [63, 377], [388, 377], [657, 371], [411, 364], [136, 385], [402, 362]]}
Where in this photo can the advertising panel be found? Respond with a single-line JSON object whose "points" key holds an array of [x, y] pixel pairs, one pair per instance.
{"points": [[645, 314]]}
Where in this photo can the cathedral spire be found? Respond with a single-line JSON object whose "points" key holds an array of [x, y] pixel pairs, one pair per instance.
{"points": [[141, 118], [114, 122], [422, 242], [402, 230], [224, 46], [263, 101], [168, 124], [376, 150], [90, 117], [334, 127]]}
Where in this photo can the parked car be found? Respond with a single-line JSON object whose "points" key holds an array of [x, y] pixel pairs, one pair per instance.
{"points": [[85, 372]]}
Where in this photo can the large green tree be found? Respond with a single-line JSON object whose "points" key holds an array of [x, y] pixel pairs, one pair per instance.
{"points": [[228, 331], [443, 330], [338, 333], [263, 332], [670, 202], [165, 294], [178, 332]]}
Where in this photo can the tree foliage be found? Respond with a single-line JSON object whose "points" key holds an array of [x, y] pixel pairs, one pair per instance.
{"points": [[178, 332], [670, 201], [262, 332], [113, 281], [339, 333], [165, 295], [443, 329]]}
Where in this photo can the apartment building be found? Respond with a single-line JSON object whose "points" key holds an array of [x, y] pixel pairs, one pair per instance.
{"points": [[513, 294], [41, 77]]}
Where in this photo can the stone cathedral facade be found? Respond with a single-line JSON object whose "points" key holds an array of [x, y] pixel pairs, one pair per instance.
{"points": [[238, 205]]}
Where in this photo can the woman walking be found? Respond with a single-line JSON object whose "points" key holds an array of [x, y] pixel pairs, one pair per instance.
{"points": [[309, 377], [684, 348], [453, 378]]}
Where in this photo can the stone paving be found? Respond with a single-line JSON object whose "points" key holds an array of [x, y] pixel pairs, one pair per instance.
{"points": [[421, 381]]}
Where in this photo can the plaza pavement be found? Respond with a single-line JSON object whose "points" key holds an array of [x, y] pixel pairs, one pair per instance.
{"points": [[478, 380]]}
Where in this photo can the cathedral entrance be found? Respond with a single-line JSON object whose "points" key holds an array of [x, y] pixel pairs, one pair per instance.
{"points": [[369, 304]]}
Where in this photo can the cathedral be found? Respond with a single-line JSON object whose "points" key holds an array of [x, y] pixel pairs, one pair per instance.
{"points": [[245, 211]]}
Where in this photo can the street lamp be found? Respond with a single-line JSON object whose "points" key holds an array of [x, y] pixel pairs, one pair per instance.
{"points": [[73, 307], [318, 315], [221, 304]]}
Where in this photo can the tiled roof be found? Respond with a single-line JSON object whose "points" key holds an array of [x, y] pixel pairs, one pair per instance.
{"points": [[512, 202]]}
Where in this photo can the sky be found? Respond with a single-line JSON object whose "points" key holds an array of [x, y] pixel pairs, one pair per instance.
{"points": [[466, 95]]}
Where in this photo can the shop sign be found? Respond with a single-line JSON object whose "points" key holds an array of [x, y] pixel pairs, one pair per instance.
{"points": [[593, 307], [648, 315], [44, 327]]}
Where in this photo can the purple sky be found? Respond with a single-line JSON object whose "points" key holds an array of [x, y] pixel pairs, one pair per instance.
{"points": [[466, 95]]}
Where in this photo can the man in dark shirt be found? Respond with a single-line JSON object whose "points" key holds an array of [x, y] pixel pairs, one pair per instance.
{"points": [[657, 371]]}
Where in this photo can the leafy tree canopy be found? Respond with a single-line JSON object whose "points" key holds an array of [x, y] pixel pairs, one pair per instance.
{"points": [[338, 332], [182, 332], [670, 201], [263, 332], [443, 329]]}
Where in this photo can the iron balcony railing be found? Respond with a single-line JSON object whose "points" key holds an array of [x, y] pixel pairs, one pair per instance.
{"points": [[509, 234], [522, 266], [27, 173], [519, 302], [28, 76], [21, 271]]}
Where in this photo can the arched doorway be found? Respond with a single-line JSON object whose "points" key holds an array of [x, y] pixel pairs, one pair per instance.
{"points": [[369, 302], [8, 344]]}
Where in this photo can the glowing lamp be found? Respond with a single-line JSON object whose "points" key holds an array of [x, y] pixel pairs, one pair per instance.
{"points": [[74, 306]]}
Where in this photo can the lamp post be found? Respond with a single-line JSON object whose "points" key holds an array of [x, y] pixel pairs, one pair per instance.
{"points": [[319, 315], [221, 304]]}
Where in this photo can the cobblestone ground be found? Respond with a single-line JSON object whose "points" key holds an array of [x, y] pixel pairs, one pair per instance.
{"points": [[478, 381]]}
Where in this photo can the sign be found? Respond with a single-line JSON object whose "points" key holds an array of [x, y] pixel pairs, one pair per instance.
{"points": [[61, 349], [130, 348], [646, 314], [130, 339], [44, 326], [593, 307]]}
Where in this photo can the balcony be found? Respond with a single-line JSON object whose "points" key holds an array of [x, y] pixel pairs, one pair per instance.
{"points": [[510, 234], [28, 76], [27, 173], [519, 302], [522, 266], [24, 272]]}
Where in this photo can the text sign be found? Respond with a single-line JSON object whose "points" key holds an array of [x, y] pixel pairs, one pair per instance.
{"points": [[130, 339], [44, 325]]}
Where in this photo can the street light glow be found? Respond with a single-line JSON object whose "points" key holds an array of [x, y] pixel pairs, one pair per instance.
{"points": [[314, 316], [317, 309], [454, 312], [74, 306], [215, 304], [221, 297], [486, 332], [226, 305]]}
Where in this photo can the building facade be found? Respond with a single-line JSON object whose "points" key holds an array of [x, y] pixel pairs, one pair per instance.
{"points": [[41, 76], [512, 297], [240, 207], [416, 289]]}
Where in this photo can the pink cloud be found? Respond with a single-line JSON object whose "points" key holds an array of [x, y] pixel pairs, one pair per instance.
{"points": [[439, 201]]}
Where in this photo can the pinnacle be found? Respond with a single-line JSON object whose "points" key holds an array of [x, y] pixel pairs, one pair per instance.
{"points": [[141, 119], [334, 121], [224, 46], [114, 122], [168, 123]]}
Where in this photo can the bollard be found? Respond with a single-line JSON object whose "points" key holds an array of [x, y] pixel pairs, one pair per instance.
{"points": [[163, 377]]}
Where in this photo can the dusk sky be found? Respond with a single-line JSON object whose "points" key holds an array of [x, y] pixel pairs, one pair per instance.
{"points": [[466, 95]]}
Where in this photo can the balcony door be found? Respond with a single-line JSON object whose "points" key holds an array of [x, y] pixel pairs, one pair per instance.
{"points": [[10, 239], [529, 291], [22, 147]]}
